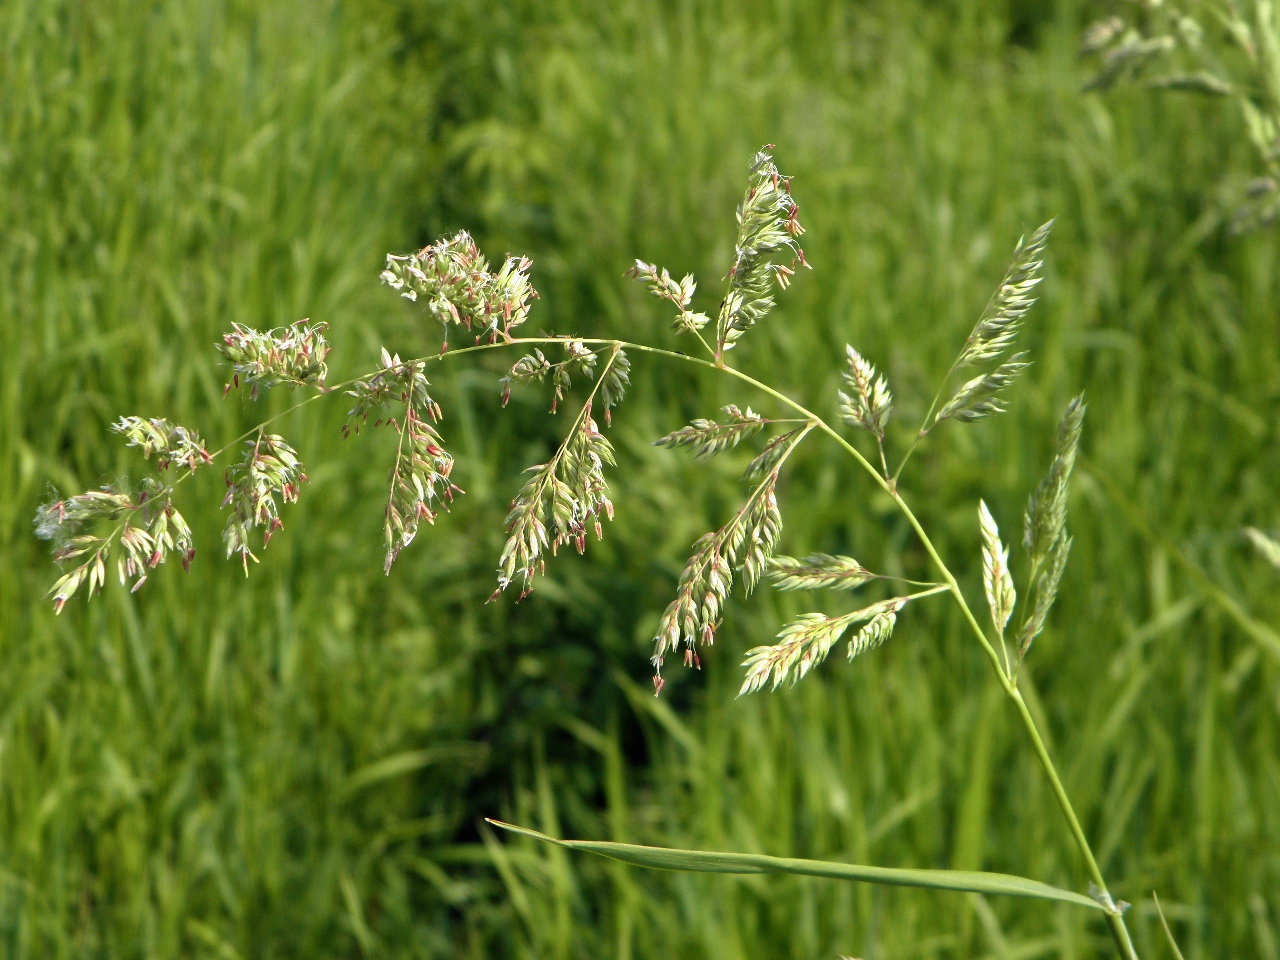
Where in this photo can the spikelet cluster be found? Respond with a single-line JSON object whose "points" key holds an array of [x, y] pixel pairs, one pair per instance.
{"points": [[453, 280], [996, 579], [805, 643], [680, 294], [708, 437], [293, 355], [269, 468], [768, 225], [419, 481], [994, 335], [746, 542], [143, 523], [869, 401], [1045, 527], [171, 443], [816, 572], [579, 360], [562, 499]]}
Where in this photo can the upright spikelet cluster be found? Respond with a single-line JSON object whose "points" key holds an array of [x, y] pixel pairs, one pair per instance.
{"points": [[993, 336], [768, 225], [454, 281]]}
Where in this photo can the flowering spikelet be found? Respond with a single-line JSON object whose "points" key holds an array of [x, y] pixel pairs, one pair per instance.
{"points": [[270, 467], [292, 355], [453, 280]]}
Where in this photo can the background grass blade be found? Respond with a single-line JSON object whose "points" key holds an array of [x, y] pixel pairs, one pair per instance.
{"points": [[707, 861]]}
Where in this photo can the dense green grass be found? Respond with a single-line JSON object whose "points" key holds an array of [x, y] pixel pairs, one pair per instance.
{"points": [[295, 765]]}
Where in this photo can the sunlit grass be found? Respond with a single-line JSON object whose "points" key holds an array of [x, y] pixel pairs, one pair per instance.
{"points": [[296, 764]]}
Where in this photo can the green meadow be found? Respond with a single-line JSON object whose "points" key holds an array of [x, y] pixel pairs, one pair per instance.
{"points": [[298, 763]]}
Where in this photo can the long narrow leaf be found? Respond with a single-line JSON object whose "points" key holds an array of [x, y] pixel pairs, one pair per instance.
{"points": [[702, 861]]}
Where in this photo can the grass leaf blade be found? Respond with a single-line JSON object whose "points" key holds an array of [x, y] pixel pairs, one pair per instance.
{"points": [[704, 861]]}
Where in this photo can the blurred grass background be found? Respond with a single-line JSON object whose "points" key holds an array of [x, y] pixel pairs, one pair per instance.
{"points": [[297, 764]]}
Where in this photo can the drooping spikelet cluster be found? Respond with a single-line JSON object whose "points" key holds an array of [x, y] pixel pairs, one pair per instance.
{"points": [[746, 543], [293, 355], [454, 281], [269, 467], [141, 519], [419, 477], [563, 499], [147, 528]]}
